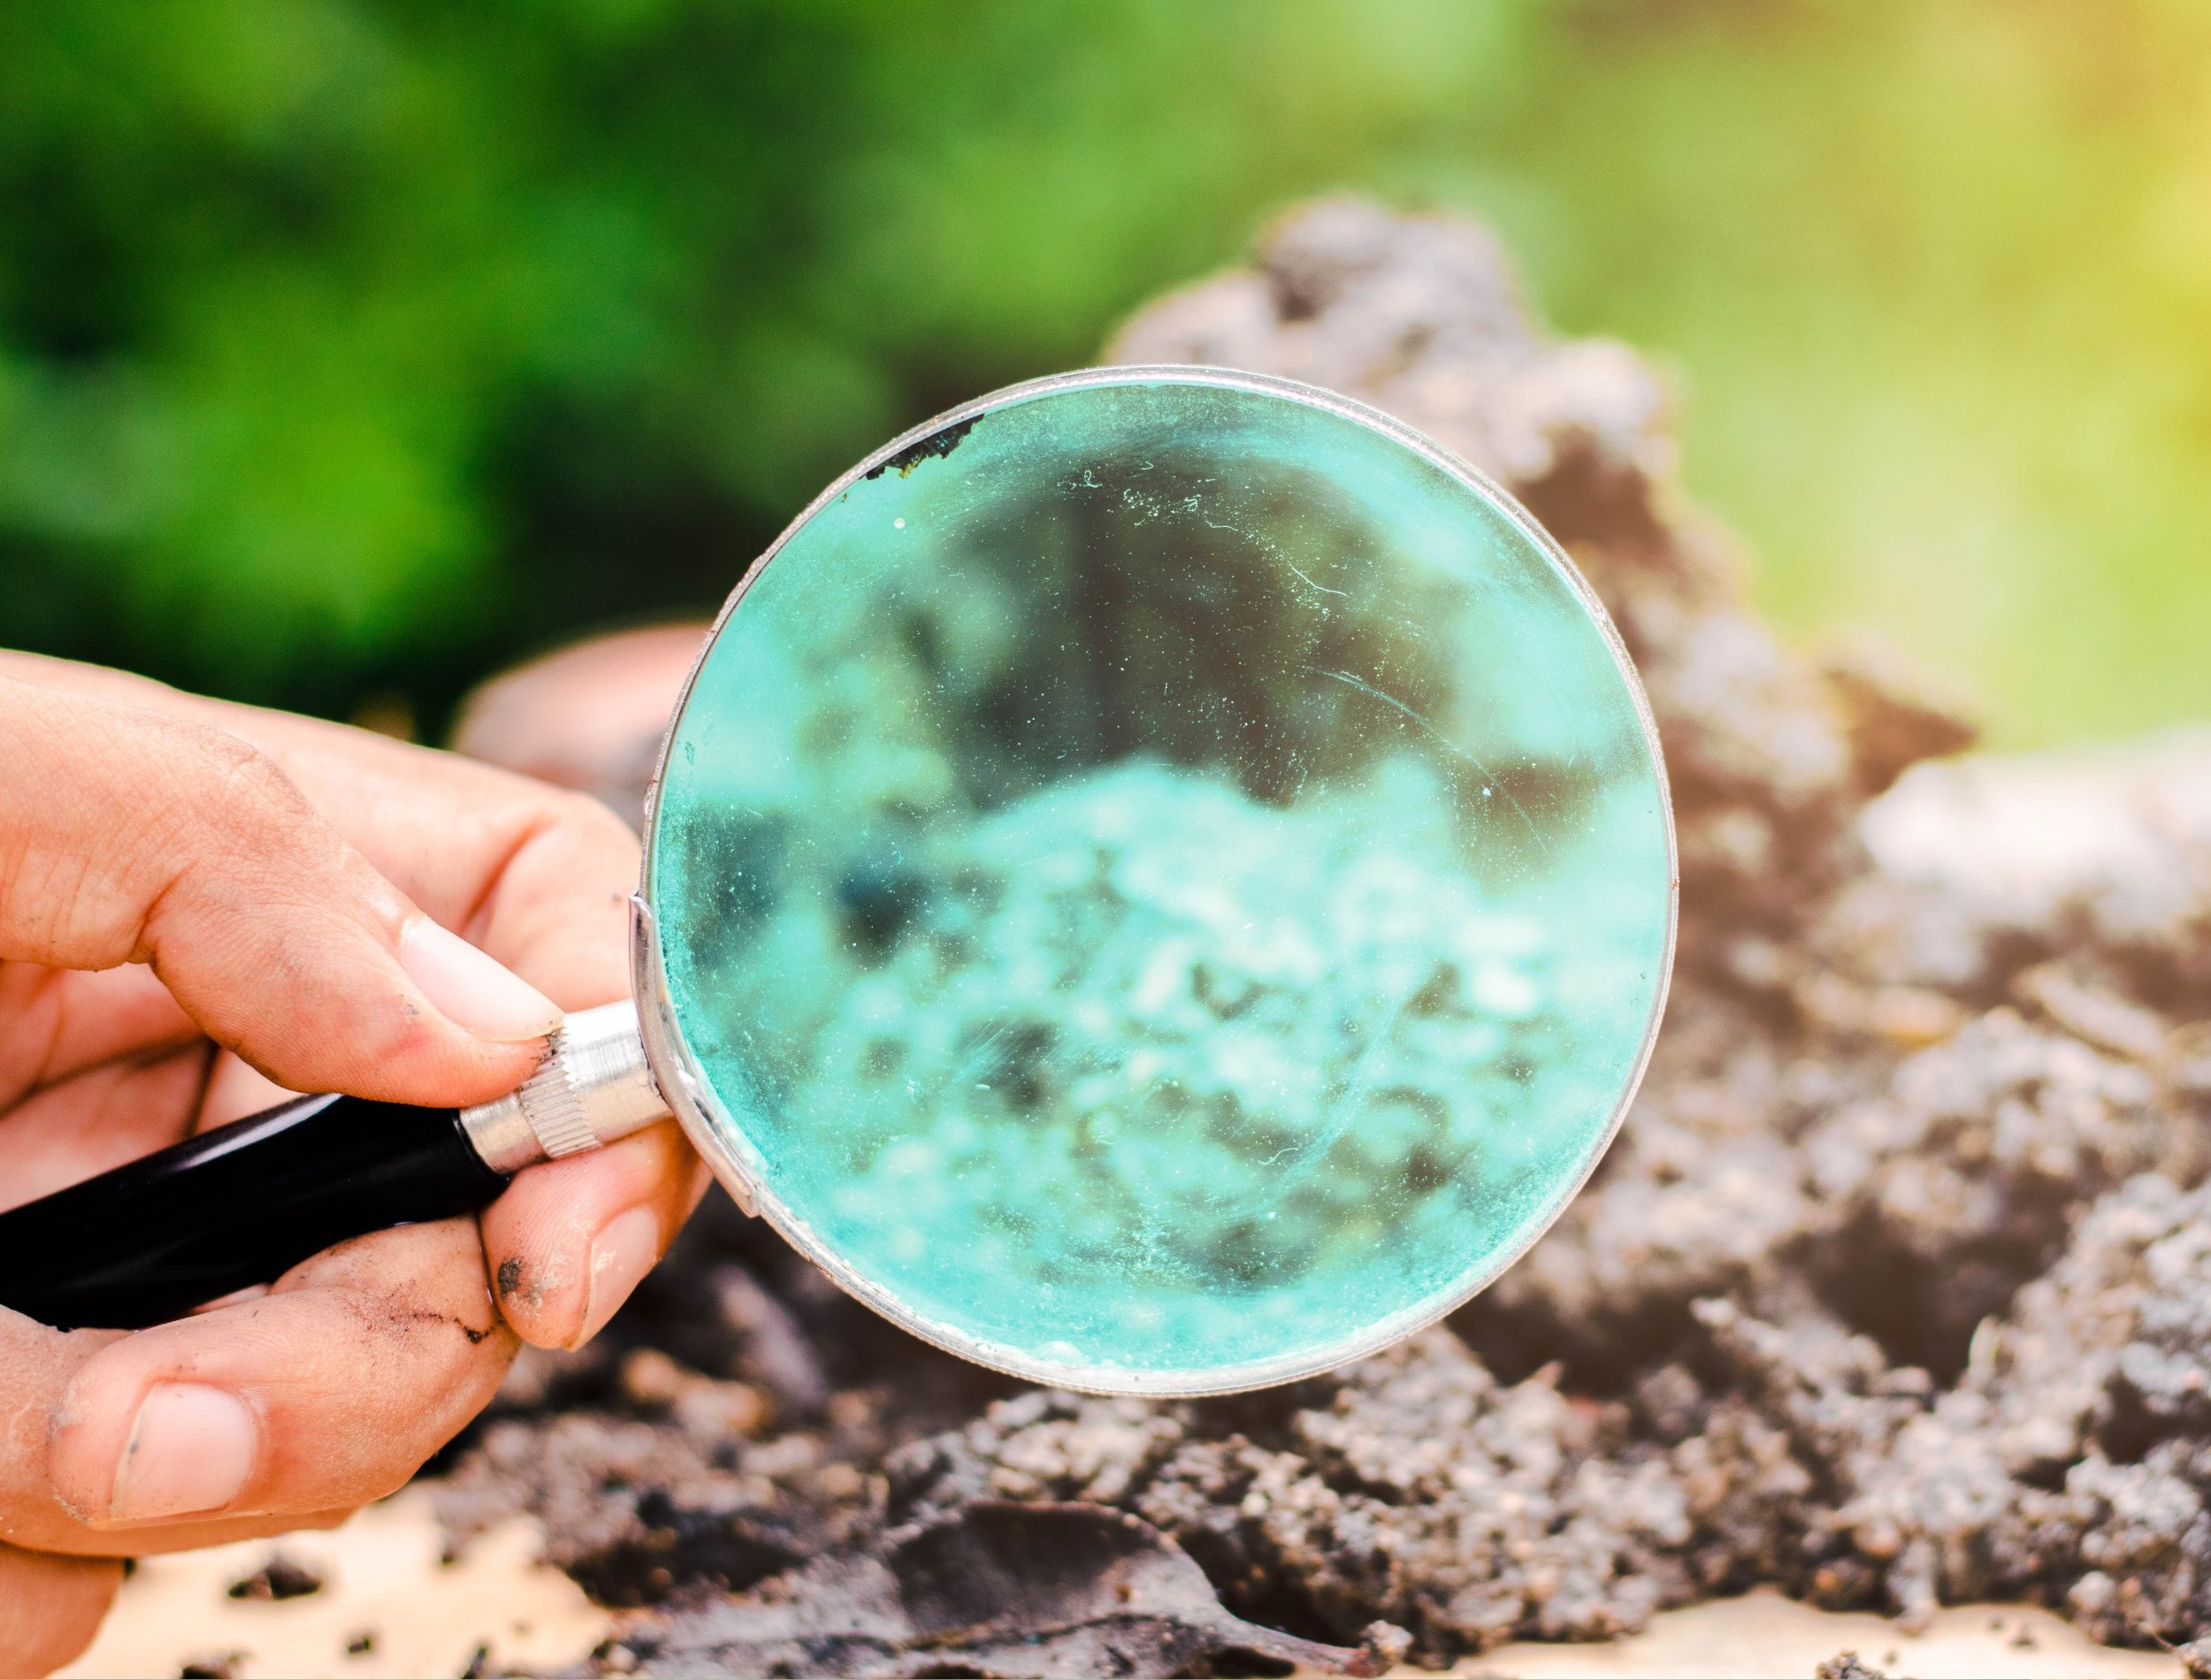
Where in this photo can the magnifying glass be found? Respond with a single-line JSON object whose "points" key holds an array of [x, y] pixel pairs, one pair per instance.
{"points": [[1161, 881]]}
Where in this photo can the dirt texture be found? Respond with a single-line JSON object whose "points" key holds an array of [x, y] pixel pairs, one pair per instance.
{"points": [[1895, 1289]]}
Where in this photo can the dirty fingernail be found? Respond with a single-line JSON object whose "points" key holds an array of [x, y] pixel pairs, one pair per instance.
{"points": [[472, 989], [622, 1252], [192, 1449]]}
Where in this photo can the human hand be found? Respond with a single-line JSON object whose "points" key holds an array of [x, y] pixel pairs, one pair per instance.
{"points": [[199, 905]]}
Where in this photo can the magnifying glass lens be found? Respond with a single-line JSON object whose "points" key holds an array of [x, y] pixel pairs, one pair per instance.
{"points": [[1164, 884]]}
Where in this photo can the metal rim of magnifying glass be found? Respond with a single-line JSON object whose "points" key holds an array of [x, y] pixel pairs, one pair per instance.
{"points": [[687, 1091]]}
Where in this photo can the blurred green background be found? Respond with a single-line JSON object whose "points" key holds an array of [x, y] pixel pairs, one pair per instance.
{"points": [[346, 350]]}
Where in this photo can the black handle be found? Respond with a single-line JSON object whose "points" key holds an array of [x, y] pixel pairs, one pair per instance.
{"points": [[236, 1206]]}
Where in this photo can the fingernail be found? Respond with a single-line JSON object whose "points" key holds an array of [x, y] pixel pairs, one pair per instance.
{"points": [[192, 1449], [622, 1252], [472, 989]]}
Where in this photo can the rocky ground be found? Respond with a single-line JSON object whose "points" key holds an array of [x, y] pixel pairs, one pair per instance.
{"points": [[1894, 1291]]}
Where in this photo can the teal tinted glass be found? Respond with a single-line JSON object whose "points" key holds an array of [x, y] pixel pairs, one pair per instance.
{"points": [[1165, 883]]}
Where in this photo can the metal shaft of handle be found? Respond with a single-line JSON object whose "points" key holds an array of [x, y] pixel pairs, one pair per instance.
{"points": [[594, 1087]]}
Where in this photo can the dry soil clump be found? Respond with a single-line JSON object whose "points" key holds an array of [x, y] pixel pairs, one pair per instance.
{"points": [[1895, 1289]]}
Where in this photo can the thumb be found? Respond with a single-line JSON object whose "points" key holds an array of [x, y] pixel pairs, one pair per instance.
{"points": [[129, 836]]}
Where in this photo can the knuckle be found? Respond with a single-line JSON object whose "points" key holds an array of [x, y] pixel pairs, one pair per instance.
{"points": [[240, 828], [573, 847], [239, 779], [593, 823], [216, 785]]}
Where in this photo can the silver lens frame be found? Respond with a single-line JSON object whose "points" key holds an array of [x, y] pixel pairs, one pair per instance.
{"points": [[689, 1095]]}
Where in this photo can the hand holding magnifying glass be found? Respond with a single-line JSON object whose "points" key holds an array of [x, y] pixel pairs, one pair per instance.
{"points": [[1161, 881], [217, 844]]}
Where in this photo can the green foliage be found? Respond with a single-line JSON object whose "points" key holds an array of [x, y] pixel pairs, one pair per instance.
{"points": [[347, 348]]}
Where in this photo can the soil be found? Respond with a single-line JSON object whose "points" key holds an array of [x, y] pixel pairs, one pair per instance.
{"points": [[1895, 1290]]}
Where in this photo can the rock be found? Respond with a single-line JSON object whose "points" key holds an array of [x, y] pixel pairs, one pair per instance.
{"points": [[282, 1577], [998, 1589]]}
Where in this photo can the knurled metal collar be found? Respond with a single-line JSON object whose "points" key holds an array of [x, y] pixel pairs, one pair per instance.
{"points": [[593, 1087]]}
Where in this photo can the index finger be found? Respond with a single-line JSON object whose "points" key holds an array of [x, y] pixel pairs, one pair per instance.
{"points": [[536, 875]]}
